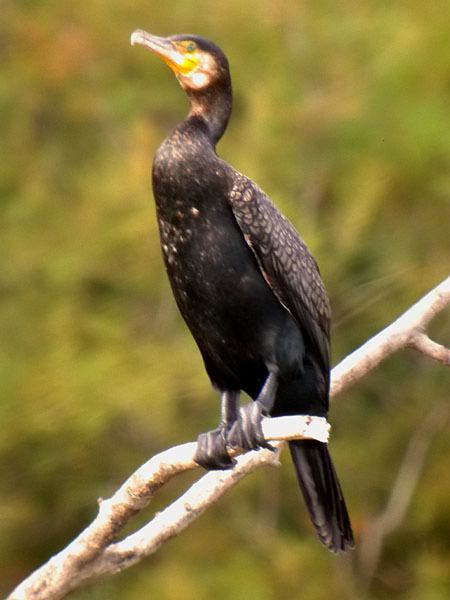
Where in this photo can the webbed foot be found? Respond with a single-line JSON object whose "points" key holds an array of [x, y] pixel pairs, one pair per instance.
{"points": [[246, 432], [211, 453]]}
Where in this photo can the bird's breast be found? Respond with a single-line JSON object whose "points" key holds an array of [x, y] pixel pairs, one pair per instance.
{"points": [[203, 248]]}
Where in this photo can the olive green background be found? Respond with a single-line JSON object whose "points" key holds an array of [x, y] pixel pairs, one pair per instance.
{"points": [[341, 116]]}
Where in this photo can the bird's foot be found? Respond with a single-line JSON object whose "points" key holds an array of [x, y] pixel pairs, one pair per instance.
{"points": [[211, 453], [246, 432]]}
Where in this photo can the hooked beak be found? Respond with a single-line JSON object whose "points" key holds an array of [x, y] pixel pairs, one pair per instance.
{"points": [[166, 50]]}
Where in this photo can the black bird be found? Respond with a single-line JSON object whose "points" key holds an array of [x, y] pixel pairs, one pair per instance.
{"points": [[245, 283]]}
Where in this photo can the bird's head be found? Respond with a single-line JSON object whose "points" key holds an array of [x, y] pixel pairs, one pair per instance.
{"points": [[197, 63]]}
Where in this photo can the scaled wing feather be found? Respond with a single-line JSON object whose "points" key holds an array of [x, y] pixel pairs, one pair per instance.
{"points": [[285, 262]]}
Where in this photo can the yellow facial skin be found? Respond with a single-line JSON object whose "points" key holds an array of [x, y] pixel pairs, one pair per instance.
{"points": [[184, 60], [181, 56]]}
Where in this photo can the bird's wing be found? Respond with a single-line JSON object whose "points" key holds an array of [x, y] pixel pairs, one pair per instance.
{"points": [[285, 262]]}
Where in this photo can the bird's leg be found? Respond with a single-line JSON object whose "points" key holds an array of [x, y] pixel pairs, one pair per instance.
{"points": [[229, 410], [266, 397], [211, 450], [247, 432]]}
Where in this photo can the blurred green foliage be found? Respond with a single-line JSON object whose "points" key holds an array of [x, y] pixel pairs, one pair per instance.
{"points": [[341, 115]]}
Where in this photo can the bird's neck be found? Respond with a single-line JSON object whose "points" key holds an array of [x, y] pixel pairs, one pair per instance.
{"points": [[213, 106]]}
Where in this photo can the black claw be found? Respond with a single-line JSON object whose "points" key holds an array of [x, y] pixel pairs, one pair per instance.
{"points": [[211, 453]]}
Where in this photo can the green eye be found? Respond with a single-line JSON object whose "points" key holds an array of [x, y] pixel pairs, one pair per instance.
{"points": [[190, 46]]}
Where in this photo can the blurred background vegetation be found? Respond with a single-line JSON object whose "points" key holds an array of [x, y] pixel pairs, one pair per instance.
{"points": [[341, 115]]}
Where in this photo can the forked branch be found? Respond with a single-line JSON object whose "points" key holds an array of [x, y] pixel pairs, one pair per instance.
{"points": [[96, 553], [407, 330]]}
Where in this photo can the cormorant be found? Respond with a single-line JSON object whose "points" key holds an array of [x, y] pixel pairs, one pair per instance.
{"points": [[245, 283]]}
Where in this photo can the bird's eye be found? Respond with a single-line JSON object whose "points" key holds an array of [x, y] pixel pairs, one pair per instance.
{"points": [[190, 46]]}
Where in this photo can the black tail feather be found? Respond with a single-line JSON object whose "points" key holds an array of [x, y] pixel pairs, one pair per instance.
{"points": [[323, 496]]}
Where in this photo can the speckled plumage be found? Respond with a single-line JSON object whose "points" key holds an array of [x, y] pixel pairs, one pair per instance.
{"points": [[247, 287]]}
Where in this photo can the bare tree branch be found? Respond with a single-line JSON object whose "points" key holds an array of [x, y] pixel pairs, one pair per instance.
{"points": [[181, 513], [94, 552]]}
